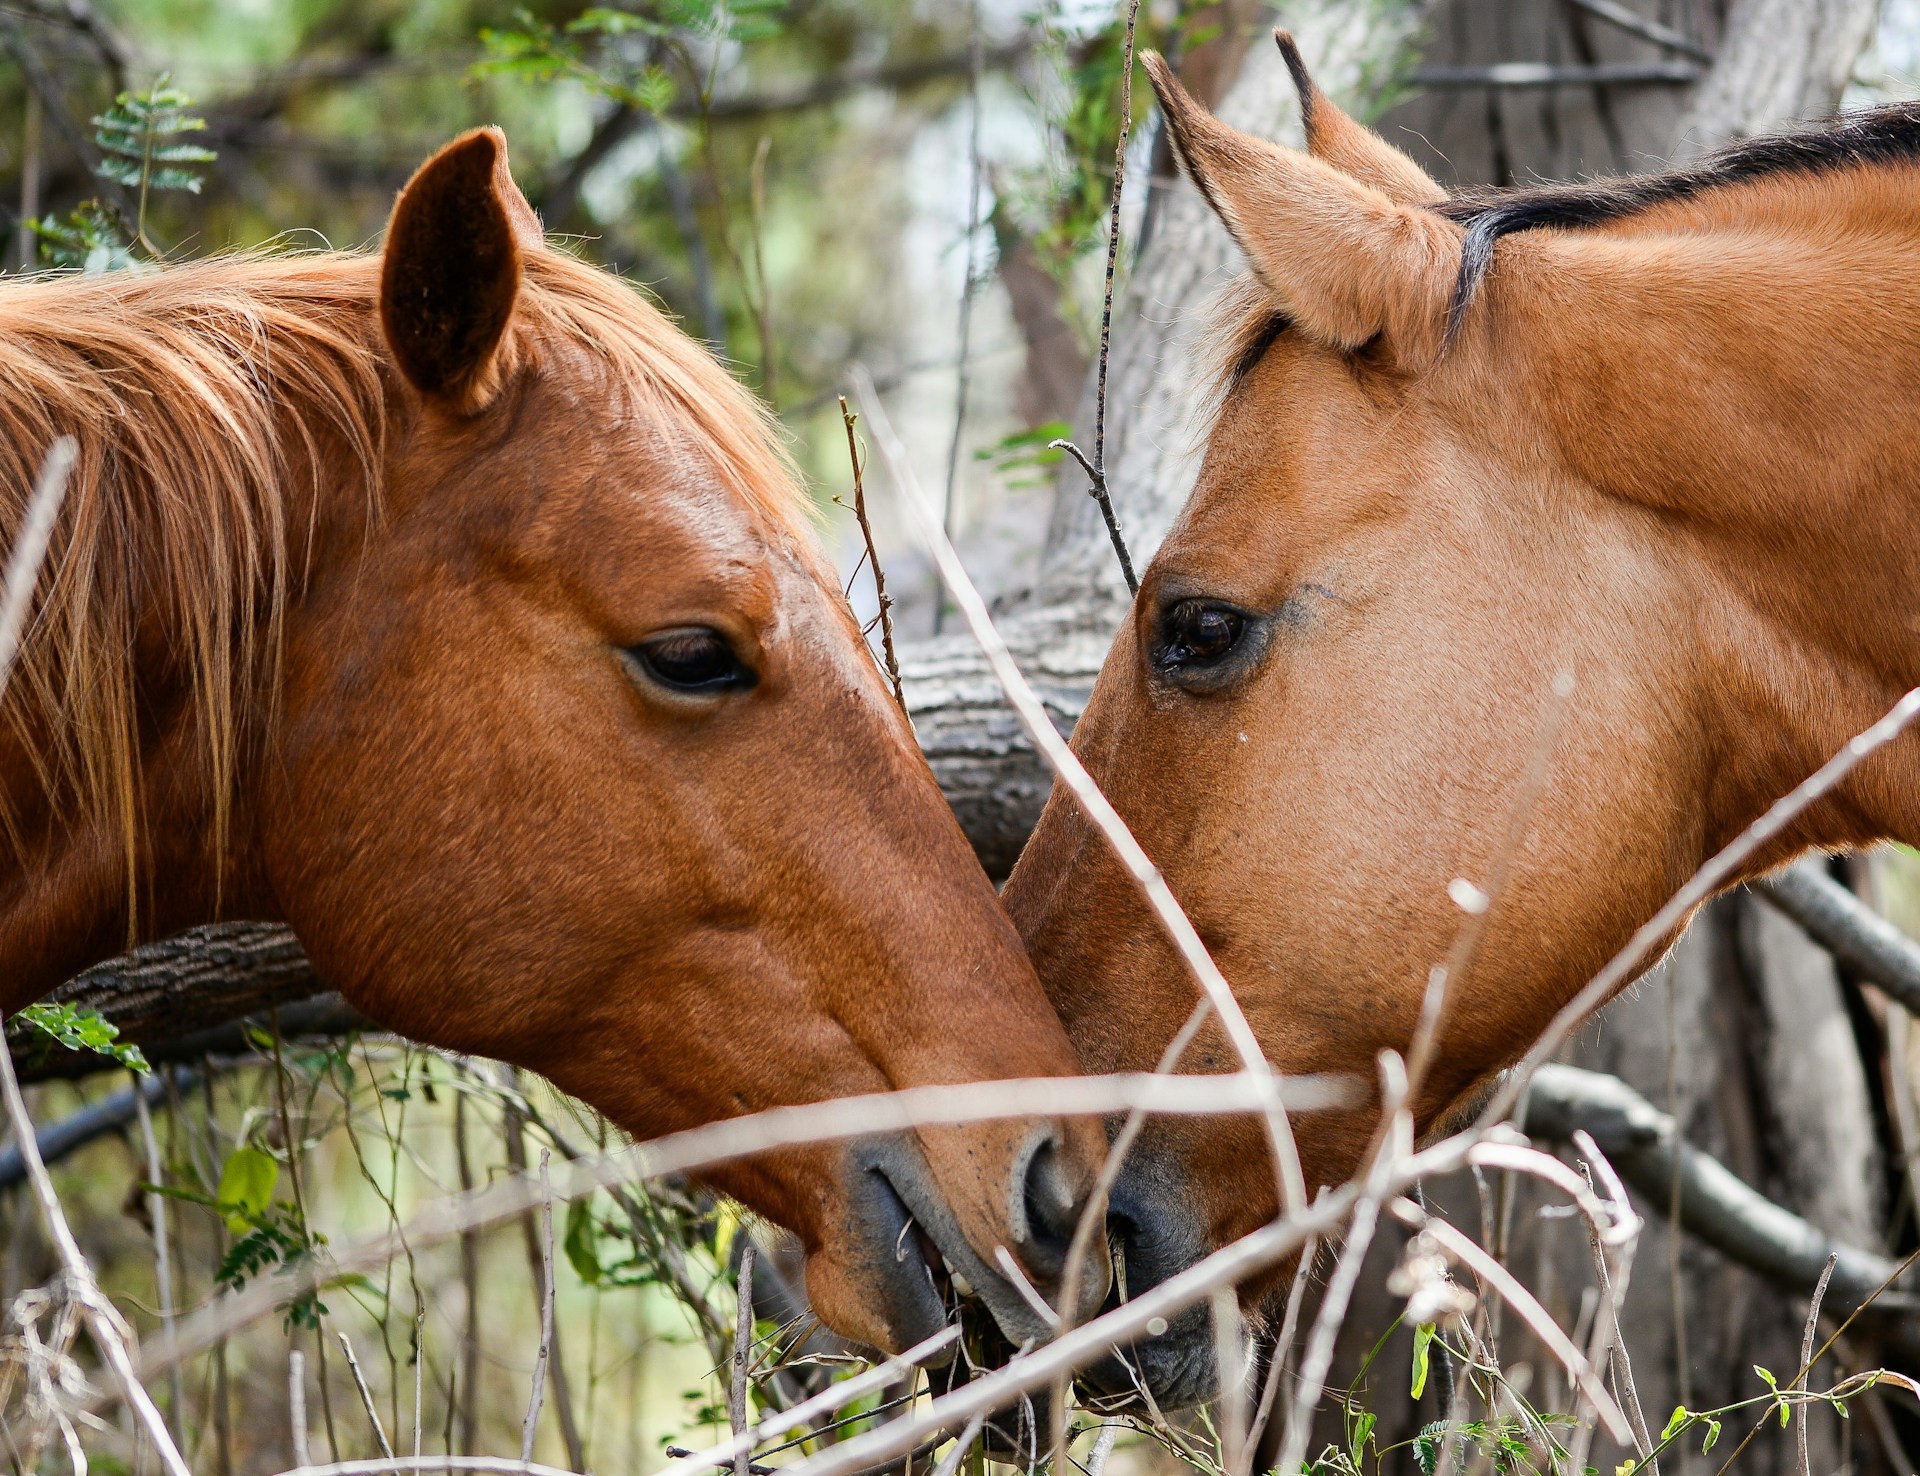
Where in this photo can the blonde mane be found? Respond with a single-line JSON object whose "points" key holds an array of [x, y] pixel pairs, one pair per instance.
{"points": [[211, 402]]}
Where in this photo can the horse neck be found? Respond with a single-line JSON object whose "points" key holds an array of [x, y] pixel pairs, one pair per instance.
{"points": [[1759, 402], [190, 527]]}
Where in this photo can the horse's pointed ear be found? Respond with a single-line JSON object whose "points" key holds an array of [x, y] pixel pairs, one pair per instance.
{"points": [[451, 270], [1353, 148], [1350, 265]]}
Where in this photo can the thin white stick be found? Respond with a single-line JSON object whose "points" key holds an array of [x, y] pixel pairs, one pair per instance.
{"points": [[419, 1374], [1102, 1448], [530, 1427], [110, 1335], [366, 1396], [1806, 1356], [722, 1142], [1718, 870], [297, 1405], [1536, 1317], [162, 1258], [1029, 1293], [1230, 1407], [1395, 1133], [830, 1400], [742, 1354], [950, 1462], [1087, 794]]}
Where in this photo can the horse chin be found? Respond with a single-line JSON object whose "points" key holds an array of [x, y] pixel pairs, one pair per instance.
{"points": [[1176, 1368]]}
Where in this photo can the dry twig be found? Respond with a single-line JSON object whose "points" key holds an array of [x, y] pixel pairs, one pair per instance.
{"points": [[881, 598], [742, 1354], [366, 1395], [1806, 1357], [1096, 469]]}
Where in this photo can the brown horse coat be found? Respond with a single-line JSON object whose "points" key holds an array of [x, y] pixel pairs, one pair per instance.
{"points": [[1657, 435], [455, 608]]}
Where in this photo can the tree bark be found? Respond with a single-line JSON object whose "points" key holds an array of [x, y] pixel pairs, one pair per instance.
{"points": [[192, 996], [1779, 62]]}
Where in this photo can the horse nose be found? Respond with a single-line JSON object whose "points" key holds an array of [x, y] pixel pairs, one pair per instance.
{"points": [[1046, 1212], [1157, 1235]]}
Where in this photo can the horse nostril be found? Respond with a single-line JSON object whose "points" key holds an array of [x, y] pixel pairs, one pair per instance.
{"points": [[1050, 1208]]}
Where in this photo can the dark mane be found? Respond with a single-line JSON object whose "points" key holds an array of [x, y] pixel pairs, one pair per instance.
{"points": [[1880, 136]]}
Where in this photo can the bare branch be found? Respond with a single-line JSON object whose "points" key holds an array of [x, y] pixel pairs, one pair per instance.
{"points": [[1859, 939], [1727, 1214]]}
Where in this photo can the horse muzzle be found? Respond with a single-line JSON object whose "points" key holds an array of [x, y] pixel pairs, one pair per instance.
{"points": [[915, 1264], [1155, 1235]]}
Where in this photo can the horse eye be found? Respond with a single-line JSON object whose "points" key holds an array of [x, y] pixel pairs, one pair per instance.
{"points": [[1197, 633], [692, 661]]}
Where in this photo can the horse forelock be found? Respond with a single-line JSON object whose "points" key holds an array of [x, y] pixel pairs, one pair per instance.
{"points": [[210, 402], [1250, 321]]}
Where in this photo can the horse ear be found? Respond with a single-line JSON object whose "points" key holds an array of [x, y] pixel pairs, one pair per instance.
{"points": [[1349, 264], [1352, 148], [451, 270]]}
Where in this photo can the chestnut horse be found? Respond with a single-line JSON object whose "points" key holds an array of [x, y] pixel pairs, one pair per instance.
{"points": [[1659, 434], [454, 607]]}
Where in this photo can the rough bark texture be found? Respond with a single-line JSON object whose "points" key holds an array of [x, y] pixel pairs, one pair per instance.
{"points": [[1779, 61], [193, 996]]}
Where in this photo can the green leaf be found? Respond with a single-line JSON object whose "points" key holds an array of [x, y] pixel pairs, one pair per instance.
{"points": [[1362, 1432], [246, 1187], [1713, 1436], [1676, 1422], [582, 1243], [1422, 1346], [62, 1024]]}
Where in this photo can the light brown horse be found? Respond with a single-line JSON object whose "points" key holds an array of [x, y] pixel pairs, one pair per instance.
{"points": [[454, 607], [1663, 435]]}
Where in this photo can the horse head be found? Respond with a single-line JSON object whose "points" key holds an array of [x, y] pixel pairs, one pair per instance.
{"points": [[565, 748], [1501, 602]]}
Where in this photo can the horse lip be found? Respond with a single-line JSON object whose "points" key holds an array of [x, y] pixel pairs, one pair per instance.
{"points": [[907, 1285], [906, 1174]]}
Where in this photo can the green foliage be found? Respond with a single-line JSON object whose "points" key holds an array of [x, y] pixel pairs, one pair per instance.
{"points": [[1025, 458], [246, 1187], [1422, 1349], [144, 145], [268, 1234], [143, 141], [624, 54], [278, 1237], [1079, 195], [44, 1026], [93, 238], [1779, 1399], [1504, 1444]]}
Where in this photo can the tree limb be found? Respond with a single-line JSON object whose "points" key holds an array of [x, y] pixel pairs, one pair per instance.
{"points": [[1716, 1206], [1860, 940]]}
